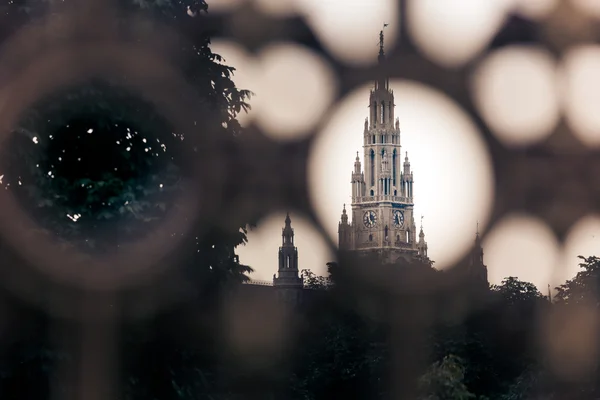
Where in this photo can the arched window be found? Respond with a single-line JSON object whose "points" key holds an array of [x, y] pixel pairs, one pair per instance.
{"points": [[382, 112], [370, 238], [372, 168], [287, 261], [374, 114], [398, 238], [386, 232], [394, 166], [372, 193], [407, 236]]}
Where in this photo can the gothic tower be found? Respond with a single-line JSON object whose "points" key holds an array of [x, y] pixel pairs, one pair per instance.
{"points": [[422, 244], [477, 270], [382, 194], [288, 282]]}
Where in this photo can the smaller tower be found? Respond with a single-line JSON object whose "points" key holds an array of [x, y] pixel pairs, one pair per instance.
{"points": [[477, 270], [344, 231], [407, 179], [422, 244], [288, 282], [358, 181]]}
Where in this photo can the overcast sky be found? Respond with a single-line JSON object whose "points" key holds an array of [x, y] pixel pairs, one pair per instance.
{"points": [[453, 176]]}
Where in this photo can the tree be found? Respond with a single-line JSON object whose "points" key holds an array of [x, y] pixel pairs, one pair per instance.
{"points": [[341, 355], [314, 281], [445, 381], [99, 166], [529, 385], [584, 288], [515, 292], [498, 341]]}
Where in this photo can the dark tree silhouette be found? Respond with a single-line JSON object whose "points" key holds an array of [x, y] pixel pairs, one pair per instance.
{"points": [[98, 166]]}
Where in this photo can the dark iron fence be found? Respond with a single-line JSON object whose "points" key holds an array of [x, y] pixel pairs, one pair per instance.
{"points": [[251, 176]]}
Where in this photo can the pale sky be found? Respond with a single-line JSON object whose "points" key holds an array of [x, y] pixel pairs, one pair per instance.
{"points": [[453, 175]]}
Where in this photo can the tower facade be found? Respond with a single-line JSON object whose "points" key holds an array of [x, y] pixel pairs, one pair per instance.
{"points": [[288, 281], [382, 193], [477, 270]]}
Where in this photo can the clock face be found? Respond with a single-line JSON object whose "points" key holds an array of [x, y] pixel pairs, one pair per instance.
{"points": [[370, 219], [398, 217]]}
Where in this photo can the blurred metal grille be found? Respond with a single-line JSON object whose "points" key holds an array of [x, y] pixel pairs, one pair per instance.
{"points": [[263, 176]]}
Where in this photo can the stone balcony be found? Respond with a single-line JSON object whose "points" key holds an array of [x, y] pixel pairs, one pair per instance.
{"points": [[395, 199]]}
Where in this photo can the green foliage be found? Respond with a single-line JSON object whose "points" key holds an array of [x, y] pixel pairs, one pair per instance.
{"points": [[498, 342], [584, 288], [525, 386], [94, 158], [342, 356], [513, 291], [116, 194], [102, 189], [314, 281], [445, 381], [157, 368]]}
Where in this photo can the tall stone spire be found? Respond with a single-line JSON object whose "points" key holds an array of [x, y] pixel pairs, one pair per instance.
{"points": [[407, 179], [382, 82], [357, 167], [381, 56], [358, 180], [381, 216]]}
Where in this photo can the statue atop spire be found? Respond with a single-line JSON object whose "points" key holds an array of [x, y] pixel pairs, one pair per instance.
{"points": [[381, 48], [382, 81]]}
